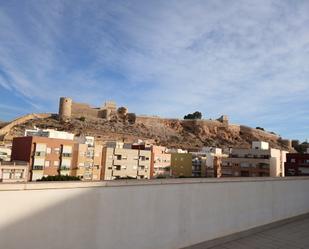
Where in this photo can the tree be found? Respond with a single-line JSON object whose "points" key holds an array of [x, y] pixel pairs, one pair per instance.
{"points": [[131, 118], [195, 115]]}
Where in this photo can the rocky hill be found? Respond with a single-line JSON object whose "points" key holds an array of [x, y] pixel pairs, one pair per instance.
{"points": [[186, 134]]}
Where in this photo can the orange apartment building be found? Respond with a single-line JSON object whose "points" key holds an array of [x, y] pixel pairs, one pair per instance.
{"points": [[46, 156], [160, 161]]}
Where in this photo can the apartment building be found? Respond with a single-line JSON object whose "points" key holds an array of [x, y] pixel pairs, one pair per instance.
{"points": [[120, 161], [181, 164], [87, 159], [13, 171], [161, 161], [46, 156], [297, 164], [214, 158], [205, 162], [198, 164], [50, 133], [260, 160]]}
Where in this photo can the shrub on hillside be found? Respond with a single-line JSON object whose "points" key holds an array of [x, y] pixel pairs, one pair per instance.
{"points": [[195, 115]]}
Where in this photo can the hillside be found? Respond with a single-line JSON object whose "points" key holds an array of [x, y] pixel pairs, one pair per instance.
{"points": [[186, 134]]}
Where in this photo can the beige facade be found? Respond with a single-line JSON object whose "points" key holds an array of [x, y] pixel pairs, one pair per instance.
{"points": [[126, 163], [14, 171], [260, 160], [87, 161]]}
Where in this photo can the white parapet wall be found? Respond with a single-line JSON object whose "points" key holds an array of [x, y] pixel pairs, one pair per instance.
{"points": [[154, 214]]}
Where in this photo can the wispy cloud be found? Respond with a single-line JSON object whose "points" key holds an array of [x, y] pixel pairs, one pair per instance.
{"points": [[248, 59]]}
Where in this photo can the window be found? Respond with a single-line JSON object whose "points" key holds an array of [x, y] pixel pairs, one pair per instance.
{"points": [[118, 157], [56, 163], [47, 163], [37, 167], [293, 160], [48, 150], [39, 153], [244, 165], [263, 165], [66, 154]]}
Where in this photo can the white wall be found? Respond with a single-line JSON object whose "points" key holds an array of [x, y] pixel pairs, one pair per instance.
{"points": [[157, 214]]}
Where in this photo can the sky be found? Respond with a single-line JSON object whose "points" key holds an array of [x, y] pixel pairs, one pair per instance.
{"points": [[248, 59]]}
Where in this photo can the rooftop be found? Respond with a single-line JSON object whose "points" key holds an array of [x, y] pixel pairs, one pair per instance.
{"points": [[291, 234]]}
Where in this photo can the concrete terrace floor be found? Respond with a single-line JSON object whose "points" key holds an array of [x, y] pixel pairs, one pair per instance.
{"points": [[287, 236]]}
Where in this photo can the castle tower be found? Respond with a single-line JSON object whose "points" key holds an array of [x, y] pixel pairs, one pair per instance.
{"points": [[65, 108]]}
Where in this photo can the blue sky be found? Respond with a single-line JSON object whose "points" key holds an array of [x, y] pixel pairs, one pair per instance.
{"points": [[247, 59]]}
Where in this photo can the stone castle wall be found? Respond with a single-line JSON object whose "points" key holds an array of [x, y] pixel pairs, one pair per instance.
{"points": [[22, 120], [84, 110]]}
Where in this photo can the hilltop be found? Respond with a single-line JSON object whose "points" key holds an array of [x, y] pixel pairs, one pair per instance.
{"points": [[186, 134]]}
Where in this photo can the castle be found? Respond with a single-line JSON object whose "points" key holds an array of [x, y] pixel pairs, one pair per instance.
{"points": [[69, 109]]}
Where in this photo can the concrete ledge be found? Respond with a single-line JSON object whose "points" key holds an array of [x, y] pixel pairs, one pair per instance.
{"points": [[240, 235], [120, 183]]}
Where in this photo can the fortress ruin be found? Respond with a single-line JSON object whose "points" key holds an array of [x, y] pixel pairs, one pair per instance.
{"points": [[69, 109]]}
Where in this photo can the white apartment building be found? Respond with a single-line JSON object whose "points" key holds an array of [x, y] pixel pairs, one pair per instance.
{"points": [[49, 133]]}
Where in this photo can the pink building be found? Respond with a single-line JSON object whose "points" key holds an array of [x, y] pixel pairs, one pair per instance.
{"points": [[161, 162]]}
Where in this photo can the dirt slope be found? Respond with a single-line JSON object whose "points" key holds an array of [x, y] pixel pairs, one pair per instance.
{"points": [[170, 132]]}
